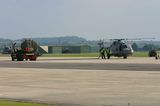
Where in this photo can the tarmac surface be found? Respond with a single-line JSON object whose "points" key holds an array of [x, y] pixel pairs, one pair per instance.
{"points": [[86, 64], [82, 81]]}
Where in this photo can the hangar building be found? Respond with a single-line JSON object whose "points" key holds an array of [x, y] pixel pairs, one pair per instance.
{"points": [[66, 49]]}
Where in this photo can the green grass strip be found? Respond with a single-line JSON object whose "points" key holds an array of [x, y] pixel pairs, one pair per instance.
{"points": [[135, 54], [72, 55], [14, 103], [140, 54]]}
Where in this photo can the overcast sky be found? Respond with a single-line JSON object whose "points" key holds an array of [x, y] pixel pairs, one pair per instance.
{"points": [[91, 19]]}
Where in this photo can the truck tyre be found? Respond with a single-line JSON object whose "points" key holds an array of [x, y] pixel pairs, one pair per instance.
{"points": [[33, 58], [12, 59]]}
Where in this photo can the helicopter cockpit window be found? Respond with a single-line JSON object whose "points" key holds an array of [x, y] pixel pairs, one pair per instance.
{"points": [[124, 46], [121, 47]]}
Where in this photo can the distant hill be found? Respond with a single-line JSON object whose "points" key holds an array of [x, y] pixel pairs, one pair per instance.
{"points": [[67, 40], [4, 40]]}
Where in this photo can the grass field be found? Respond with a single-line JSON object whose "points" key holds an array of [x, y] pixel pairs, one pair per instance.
{"points": [[72, 55], [14, 103], [136, 54], [140, 54]]}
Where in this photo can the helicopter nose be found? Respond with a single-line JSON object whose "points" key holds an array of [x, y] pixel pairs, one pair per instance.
{"points": [[132, 51], [128, 51]]}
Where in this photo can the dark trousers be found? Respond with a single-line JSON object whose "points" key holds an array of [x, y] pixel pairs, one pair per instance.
{"points": [[103, 56]]}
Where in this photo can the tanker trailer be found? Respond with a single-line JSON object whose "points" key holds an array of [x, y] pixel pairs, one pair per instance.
{"points": [[28, 51]]}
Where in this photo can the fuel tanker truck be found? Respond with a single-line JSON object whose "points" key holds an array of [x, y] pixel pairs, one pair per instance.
{"points": [[28, 51]]}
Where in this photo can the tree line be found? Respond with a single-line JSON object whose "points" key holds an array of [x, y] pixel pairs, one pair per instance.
{"points": [[145, 47]]}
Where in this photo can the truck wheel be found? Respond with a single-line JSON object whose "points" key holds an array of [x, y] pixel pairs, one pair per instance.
{"points": [[12, 59], [33, 58]]}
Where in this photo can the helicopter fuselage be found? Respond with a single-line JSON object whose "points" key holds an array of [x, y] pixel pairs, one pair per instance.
{"points": [[120, 49]]}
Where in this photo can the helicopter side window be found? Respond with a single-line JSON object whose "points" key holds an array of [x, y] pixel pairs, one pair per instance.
{"points": [[114, 43], [120, 47], [124, 46]]}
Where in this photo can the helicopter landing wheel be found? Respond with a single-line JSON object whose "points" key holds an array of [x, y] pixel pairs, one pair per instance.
{"points": [[125, 57], [156, 57]]}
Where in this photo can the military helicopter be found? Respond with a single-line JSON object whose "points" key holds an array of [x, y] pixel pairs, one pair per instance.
{"points": [[6, 50], [118, 48]]}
